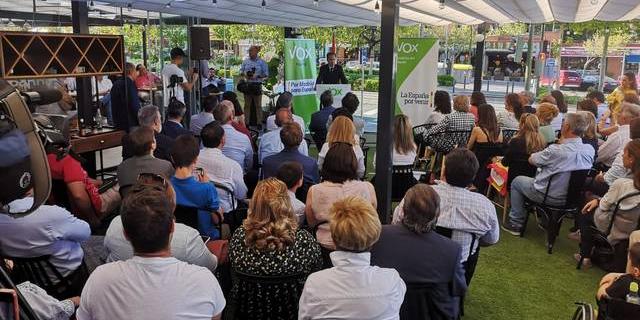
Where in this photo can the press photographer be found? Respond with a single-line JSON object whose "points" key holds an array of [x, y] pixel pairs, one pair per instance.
{"points": [[174, 79], [255, 71]]}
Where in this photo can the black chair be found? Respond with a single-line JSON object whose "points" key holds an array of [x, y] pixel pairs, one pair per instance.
{"points": [[551, 216], [402, 180], [40, 271], [319, 138], [265, 297], [507, 134], [442, 143], [365, 151], [25, 310], [418, 138], [617, 309], [235, 217], [584, 312], [419, 303], [187, 215], [484, 153], [472, 259]]}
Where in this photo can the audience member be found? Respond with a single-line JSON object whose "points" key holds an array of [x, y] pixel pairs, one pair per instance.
{"points": [[470, 216], [125, 102], [291, 138], [588, 105], [186, 244], [285, 101], [237, 145], [319, 119], [270, 142], [616, 285], [238, 122], [421, 255], [198, 121], [269, 243], [557, 160], [153, 284], [172, 127], [617, 169], [546, 112], [598, 98], [548, 99], [194, 191], [342, 130], [350, 105], [143, 145], [146, 79], [340, 179], [149, 116], [353, 289], [556, 123], [404, 147], [48, 231], [527, 98], [590, 135], [477, 99], [292, 175], [616, 98], [599, 212], [527, 141], [459, 120], [616, 141], [441, 107], [509, 118], [486, 143], [219, 167]]}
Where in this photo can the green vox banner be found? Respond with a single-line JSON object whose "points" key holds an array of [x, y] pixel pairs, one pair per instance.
{"points": [[300, 75], [416, 77]]}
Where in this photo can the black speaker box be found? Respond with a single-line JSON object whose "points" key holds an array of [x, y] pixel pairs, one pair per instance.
{"points": [[200, 46]]}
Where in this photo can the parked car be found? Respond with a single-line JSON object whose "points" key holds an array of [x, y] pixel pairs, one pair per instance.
{"points": [[592, 81], [569, 79], [352, 65]]}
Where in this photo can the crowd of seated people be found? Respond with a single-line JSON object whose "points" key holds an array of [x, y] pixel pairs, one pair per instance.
{"points": [[310, 244]]}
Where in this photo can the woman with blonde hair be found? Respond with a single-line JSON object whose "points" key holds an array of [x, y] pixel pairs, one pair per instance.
{"points": [[404, 147], [527, 141], [270, 244], [628, 85], [342, 130], [546, 112]]}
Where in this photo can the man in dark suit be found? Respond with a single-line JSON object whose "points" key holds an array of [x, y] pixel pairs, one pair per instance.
{"points": [[125, 102], [422, 256], [318, 125], [172, 127], [291, 137], [331, 73]]}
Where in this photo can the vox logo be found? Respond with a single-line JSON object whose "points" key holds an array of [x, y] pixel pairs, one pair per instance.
{"points": [[406, 47], [300, 53]]}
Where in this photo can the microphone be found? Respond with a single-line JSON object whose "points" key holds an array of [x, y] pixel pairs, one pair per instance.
{"points": [[41, 96]]}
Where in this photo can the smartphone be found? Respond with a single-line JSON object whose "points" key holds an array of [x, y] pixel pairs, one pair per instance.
{"points": [[198, 172], [10, 297]]}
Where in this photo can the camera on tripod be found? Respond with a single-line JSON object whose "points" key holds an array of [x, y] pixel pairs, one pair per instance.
{"points": [[251, 72], [173, 80]]}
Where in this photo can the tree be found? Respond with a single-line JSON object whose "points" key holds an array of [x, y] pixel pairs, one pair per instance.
{"points": [[595, 45]]}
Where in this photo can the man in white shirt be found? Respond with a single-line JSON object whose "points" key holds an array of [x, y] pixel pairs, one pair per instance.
{"points": [[270, 143], [219, 167], [173, 69], [285, 100], [615, 143], [291, 174], [237, 145], [152, 284]]}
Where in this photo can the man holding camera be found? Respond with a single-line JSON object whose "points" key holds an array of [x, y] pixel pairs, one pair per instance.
{"points": [[174, 79], [254, 70]]}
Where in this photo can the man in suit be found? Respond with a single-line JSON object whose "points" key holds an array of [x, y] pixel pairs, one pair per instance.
{"points": [[291, 137], [331, 73], [173, 126], [125, 102]]}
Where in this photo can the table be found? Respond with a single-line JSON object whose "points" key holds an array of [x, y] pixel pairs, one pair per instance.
{"points": [[97, 140]]}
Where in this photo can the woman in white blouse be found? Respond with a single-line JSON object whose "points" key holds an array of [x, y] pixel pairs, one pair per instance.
{"points": [[343, 130], [404, 147]]}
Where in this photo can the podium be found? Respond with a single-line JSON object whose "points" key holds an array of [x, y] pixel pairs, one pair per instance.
{"points": [[337, 90]]}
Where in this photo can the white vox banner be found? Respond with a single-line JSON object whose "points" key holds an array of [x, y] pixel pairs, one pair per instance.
{"points": [[338, 91]]}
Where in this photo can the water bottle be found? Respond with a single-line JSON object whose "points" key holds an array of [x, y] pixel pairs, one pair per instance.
{"points": [[633, 296], [98, 119]]}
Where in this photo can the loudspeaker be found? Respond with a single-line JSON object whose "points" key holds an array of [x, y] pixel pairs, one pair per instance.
{"points": [[200, 46]]}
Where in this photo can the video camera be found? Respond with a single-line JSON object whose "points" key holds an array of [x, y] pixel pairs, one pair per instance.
{"points": [[251, 72], [174, 80]]}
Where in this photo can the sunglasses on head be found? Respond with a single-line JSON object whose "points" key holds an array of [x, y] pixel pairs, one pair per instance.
{"points": [[152, 178]]}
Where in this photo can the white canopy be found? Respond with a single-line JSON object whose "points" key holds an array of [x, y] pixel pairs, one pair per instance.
{"points": [[300, 13]]}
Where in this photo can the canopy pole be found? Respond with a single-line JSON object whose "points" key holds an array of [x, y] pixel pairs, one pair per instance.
{"points": [[161, 44], [446, 49], [527, 82], [145, 56], [541, 62], [224, 46], [603, 60], [386, 106], [479, 59]]}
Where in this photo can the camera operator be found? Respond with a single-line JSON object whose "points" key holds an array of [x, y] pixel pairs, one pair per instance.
{"points": [[174, 79], [254, 70]]}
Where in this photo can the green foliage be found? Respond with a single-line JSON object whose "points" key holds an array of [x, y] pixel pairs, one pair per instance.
{"points": [[371, 84], [542, 91], [446, 80], [509, 29], [273, 72]]}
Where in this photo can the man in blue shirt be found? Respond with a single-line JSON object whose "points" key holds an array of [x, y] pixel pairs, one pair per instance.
{"points": [[270, 143], [254, 70], [568, 155], [318, 125], [125, 102], [237, 145], [291, 137], [194, 190]]}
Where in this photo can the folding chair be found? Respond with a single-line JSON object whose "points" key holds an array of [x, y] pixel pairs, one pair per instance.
{"points": [[584, 312]]}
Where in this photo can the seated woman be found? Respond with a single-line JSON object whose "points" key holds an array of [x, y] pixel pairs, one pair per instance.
{"points": [[340, 179], [546, 112], [353, 289], [477, 99], [513, 109], [342, 130], [407, 246], [269, 243], [527, 141], [561, 104], [485, 142], [590, 136], [598, 212], [441, 107]]}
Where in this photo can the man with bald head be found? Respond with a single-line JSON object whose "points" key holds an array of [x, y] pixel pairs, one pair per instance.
{"points": [[270, 142], [237, 145]]}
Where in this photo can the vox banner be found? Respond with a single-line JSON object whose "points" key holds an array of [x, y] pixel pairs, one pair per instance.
{"points": [[300, 75], [416, 77], [338, 91]]}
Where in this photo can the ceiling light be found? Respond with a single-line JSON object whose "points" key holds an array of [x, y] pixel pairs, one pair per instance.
{"points": [[168, 5], [215, 2], [376, 9], [11, 24], [441, 6], [26, 26], [315, 3], [264, 4]]}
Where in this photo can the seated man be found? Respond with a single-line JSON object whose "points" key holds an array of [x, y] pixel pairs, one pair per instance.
{"points": [[318, 124], [617, 169], [198, 121], [86, 201], [615, 143], [237, 145], [186, 243], [291, 137], [173, 125], [285, 100], [350, 104], [149, 116], [462, 211], [191, 191], [152, 284], [568, 155], [291, 174], [270, 142], [219, 168], [143, 161], [49, 230]]}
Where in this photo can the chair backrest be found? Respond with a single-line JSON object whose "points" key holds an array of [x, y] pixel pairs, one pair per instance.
{"points": [[619, 309], [447, 232], [584, 312], [25, 310], [419, 136], [574, 188], [224, 188], [449, 140], [615, 210], [40, 271], [266, 297], [419, 303], [319, 138], [363, 142], [507, 134], [187, 215]]}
